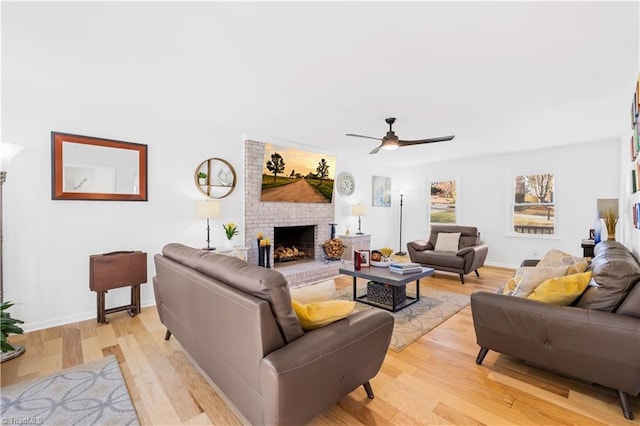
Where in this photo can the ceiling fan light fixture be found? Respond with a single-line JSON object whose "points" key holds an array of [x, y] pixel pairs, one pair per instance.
{"points": [[390, 146]]}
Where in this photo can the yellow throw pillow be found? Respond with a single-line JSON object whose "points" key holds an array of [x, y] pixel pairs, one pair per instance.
{"points": [[318, 314], [561, 290], [555, 257]]}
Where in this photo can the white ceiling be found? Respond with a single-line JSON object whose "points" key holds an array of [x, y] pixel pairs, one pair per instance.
{"points": [[500, 76]]}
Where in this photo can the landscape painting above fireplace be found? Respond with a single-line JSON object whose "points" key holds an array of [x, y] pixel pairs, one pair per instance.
{"points": [[296, 176]]}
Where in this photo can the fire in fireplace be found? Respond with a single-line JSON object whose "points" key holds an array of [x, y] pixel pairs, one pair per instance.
{"points": [[293, 243]]}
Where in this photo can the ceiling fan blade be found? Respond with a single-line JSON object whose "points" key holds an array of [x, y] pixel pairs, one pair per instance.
{"points": [[375, 150], [430, 140], [362, 136]]}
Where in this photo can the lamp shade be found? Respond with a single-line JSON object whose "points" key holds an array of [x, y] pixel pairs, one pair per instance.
{"points": [[7, 152], [358, 210], [208, 209], [608, 205]]}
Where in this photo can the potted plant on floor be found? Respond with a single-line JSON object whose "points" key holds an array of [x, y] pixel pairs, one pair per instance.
{"points": [[9, 326]]}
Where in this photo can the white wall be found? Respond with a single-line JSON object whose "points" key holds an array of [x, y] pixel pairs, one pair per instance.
{"points": [[584, 172]]}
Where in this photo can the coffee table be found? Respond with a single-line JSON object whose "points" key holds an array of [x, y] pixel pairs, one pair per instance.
{"points": [[383, 275]]}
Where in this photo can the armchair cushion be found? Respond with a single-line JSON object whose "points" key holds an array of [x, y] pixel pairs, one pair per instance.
{"points": [[448, 241], [318, 314], [561, 290]]}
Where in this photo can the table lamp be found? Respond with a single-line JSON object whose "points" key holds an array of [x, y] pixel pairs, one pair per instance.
{"points": [[358, 210], [208, 209]]}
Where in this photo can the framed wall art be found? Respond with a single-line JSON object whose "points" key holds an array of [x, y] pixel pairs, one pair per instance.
{"points": [[381, 196]]}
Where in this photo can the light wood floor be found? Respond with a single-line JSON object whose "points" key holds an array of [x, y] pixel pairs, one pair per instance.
{"points": [[433, 381]]}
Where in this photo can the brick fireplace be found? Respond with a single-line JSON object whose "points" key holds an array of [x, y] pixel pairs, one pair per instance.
{"points": [[265, 217]]}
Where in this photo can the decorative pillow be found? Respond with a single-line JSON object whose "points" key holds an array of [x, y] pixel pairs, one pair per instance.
{"points": [[561, 290], [555, 257], [318, 314], [314, 292], [527, 278], [447, 241]]}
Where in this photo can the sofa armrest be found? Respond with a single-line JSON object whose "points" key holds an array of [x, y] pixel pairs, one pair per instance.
{"points": [[592, 345], [310, 374], [474, 256], [420, 245]]}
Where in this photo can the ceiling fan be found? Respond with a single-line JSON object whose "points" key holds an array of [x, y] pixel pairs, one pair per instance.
{"points": [[391, 141]]}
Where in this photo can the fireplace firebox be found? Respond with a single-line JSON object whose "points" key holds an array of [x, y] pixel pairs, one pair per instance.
{"points": [[293, 243]]}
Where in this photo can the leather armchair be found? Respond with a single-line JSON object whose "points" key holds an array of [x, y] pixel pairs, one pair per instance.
{"points": [[470, 256]]}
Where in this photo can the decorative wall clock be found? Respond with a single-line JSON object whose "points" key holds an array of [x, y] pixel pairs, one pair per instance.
{"points": [[346, 184]]}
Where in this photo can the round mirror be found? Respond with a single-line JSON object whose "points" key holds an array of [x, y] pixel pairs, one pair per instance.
{"points": [[215, 178]]}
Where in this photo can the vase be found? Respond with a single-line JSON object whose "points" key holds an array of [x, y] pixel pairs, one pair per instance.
{"points": [[228, 243], [597, 229], [267, 256], [260, 254]]}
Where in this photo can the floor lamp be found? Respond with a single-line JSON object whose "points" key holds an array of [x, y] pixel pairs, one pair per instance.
{"points": [[208, 209], [400, 252], [7, 152]]}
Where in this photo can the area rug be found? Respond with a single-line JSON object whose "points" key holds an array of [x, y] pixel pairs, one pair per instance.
{"points": [[413, 322], [88, 394]]}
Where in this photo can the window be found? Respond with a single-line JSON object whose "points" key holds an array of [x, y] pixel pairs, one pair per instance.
{"points": [[442, 203], [534, 204]]}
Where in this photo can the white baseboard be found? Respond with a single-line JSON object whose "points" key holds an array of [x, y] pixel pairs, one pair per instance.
{"points": [[69, 319]]}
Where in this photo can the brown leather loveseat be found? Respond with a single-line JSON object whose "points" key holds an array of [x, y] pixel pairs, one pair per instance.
{"points": [[236, 321], [597, 339], [468, 256]]}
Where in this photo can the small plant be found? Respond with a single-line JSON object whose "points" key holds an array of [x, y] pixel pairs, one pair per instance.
{"points": [[230, 229], [202, 175], [610, 219], [8, 326]]}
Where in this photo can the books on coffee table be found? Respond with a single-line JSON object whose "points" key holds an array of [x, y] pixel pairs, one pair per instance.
{"points": [[405, 267]]}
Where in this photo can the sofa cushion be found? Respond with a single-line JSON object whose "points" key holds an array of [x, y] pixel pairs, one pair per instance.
{"points": [[527, 278], [615, 272], [318, 314], [561, 290], [555, 257], [631, 305], [263, 283], [448, 241], [188, 256]]}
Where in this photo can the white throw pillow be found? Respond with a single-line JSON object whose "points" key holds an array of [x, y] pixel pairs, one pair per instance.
{"points": [[447, 241], [531, 277], [317, 292]]}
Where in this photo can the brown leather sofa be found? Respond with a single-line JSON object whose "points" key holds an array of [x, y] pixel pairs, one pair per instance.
{"points": [[597, 339], [236, 322], [470, 255]]}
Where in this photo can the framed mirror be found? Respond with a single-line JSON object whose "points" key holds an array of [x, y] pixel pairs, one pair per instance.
{"points": [[87, 168], [215, 178]]}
